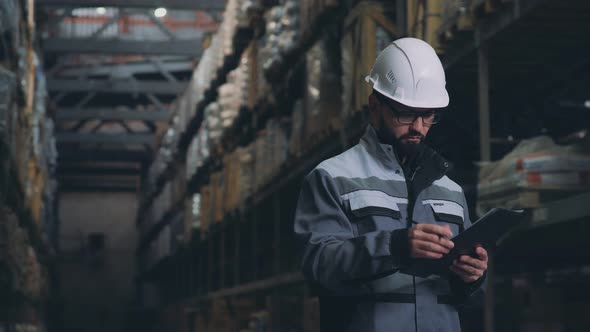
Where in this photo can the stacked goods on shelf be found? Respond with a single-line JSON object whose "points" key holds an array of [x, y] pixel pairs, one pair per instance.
{"points": [[282, 32], [43, 161], [165, 154], [239, 174], [221, 115], [270, 152], [167, 241], [20, 257], [230, 174], [250, 70], [27, 165], [185, 106], [228, 27], [246, 173], [155, 213], [192, 217], [456, 15], [322, 94], [197, 152], [536, 171], [367, 31], [213, 125]]}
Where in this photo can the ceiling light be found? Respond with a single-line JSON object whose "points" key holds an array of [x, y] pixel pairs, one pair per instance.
{"points": [[160, 12], [101, 10]]}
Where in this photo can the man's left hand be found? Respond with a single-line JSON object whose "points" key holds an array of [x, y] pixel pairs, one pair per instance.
{"points": [[470, 269]]}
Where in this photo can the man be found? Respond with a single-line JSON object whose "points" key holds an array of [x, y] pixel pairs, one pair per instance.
{"points": [[365, 214]]}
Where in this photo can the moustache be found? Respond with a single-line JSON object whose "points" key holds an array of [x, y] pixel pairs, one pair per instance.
{"points": [[412, 134]]}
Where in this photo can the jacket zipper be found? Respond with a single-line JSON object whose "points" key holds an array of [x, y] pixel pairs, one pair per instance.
{"points": [[410, 216]]}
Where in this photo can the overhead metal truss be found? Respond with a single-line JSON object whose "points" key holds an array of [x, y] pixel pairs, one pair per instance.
{"points": [[126, 70], [73, 114], [105, 138], [181, 47], [119, 155], [213, 5], [115, 86]]}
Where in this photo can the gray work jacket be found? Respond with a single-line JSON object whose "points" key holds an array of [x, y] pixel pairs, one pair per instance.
{"points": [[352, 218]]}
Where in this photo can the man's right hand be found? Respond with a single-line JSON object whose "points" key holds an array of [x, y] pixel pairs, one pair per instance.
{"points": [[429, 241]]}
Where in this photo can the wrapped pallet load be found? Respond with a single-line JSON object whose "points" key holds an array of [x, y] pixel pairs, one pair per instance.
{"points": [[246, 173], [323, 103], [213, 124], [367, 31], [282, 32], [197, 152], [535, 172], [192, 215], [229, 101]]}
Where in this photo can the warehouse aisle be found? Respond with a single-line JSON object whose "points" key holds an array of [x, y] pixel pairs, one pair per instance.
{"points": [[152, 154]]}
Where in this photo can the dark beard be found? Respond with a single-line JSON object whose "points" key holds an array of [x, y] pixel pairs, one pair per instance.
{"points": [[407, 152]]}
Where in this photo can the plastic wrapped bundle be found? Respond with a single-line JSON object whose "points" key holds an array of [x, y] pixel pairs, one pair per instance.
{"points": [[228, 26], [39, 113], [49, 149], [229, 103], [535, 172], [198, 151], [213, 124], [283, 31], [191, 157], [247, 172]]}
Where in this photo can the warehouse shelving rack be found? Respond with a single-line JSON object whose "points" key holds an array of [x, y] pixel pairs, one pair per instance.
{"points": [[528, 53], [234, 259], [22, 302], [279, 74]]}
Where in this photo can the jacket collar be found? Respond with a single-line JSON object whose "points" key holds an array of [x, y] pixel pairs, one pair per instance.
{"points": [[432, 166], [383, 152]]}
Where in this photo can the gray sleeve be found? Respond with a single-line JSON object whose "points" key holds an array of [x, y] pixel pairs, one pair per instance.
{"points": [[331, 253]]}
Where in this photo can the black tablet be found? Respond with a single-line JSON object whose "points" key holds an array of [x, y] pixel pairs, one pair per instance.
{"points": [[485, 233]]}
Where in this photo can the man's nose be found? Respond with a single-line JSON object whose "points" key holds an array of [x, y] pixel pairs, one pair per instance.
{"points": [[418, 124]]}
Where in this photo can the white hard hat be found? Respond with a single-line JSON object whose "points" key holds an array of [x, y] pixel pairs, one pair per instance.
{"points": [[409, 72]]}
